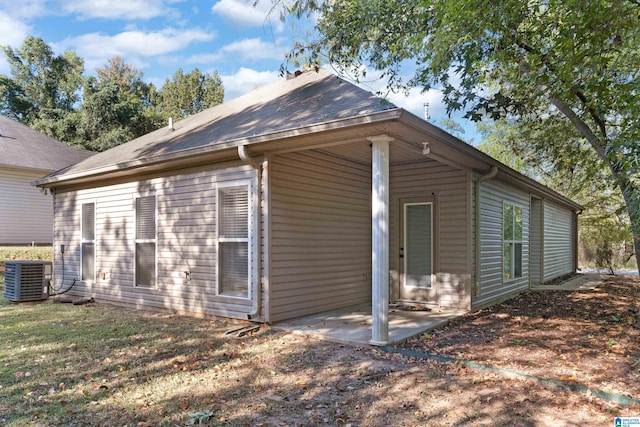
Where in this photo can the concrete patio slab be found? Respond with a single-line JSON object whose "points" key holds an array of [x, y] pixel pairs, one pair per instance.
{"points": [[581, 282], [352, 325]]}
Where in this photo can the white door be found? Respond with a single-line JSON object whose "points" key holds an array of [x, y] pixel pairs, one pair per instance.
{"points": [[416, 253]]}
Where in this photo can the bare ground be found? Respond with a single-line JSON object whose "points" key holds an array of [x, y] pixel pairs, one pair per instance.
{"points": [[141, 369], [583, 337]]}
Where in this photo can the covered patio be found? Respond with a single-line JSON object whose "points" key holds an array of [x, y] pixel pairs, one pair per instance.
{"points": [[352, 325]]}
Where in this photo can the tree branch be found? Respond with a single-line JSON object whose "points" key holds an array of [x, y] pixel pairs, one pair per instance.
{"points": [[582, 127], [592, 112], [579, 94]]}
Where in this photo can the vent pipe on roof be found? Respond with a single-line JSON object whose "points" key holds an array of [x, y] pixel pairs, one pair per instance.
{"points": [[293, 75], [171, 123]]}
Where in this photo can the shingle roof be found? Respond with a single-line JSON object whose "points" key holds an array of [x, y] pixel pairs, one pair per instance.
{"points": [[23, 147], [308, 99]]}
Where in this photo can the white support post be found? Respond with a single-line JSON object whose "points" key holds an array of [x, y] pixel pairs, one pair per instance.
{"points": [[380, 239]]}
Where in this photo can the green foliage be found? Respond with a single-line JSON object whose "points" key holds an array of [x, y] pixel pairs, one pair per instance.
{"points": [[199, 418], [190, 93], [570, 68], [50, 94], [44, 88], [117, 106], [581, 175]]}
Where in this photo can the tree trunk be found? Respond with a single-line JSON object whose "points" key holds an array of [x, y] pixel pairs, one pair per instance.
{"points": [[631, 195]]}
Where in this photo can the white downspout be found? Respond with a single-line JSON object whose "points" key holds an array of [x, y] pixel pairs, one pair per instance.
{"points": [[244, 156], [490, 175]]}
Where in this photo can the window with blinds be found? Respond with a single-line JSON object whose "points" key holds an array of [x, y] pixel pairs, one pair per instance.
{"points": [[88, 243], [418, 243], [145, 259], [233, 240]]}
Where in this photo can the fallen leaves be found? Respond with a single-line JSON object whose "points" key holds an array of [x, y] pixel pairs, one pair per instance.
{"points": [[544, 333]]}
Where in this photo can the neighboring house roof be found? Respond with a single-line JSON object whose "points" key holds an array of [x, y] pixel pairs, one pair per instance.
{"points": [[304, 109], [24, 148]]}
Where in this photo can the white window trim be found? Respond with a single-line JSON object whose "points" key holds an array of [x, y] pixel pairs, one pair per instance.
{"points": [[136, 240], [83, 240], [513, 242], [251, 238], [405, 258]]}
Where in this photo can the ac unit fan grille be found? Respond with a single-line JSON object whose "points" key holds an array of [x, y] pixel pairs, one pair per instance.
{"points": [[25, 281], [10, 285]]}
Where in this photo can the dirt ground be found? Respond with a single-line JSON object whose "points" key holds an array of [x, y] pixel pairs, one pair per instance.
{"points": [[144, 369], [583, 337]]}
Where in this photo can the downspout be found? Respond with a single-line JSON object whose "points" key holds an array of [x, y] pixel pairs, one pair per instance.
{"points": [[244, 156], [490, 175], [575, 240]]}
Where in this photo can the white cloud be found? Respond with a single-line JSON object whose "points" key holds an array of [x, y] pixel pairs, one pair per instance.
{"points": [[245, 50], [131, 45], [87, 9], [111, 9], [23, 9], [12, 34], [244, 80], [13, 31], [244, 14], [414, 102], [253, 49]]}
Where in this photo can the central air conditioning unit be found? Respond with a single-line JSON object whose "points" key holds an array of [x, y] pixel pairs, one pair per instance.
{"points": [[27, 280]]}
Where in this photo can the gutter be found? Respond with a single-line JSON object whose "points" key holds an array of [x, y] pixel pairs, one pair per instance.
{"points": [[525, 182], [247, 159], [213, 147], [492, 174]]}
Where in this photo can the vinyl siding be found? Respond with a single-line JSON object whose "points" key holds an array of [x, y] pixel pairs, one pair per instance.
{"points": [[493, 288], [558, 241], [186, 237], [535, 242], [450, 189], [320, 253], [474, 272], [26, 215]]}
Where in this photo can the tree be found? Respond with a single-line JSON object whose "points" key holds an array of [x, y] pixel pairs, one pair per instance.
{"points": [[188, 94], [44, 89], [117, 106], [604, 225], [575, 63]]}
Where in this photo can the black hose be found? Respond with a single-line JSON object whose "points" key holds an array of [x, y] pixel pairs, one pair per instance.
{"points": [[53, 291]]}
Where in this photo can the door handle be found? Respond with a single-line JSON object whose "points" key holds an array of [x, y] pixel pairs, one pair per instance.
{"points": [[401, 252]]}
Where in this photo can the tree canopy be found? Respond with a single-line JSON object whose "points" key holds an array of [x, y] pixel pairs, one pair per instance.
{"points": [[51, 94], [568, 66], [190, 93], [44, 89]]}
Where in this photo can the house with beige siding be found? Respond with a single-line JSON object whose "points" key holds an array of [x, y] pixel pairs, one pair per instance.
{"points": [[26, 213], [305, 195]]}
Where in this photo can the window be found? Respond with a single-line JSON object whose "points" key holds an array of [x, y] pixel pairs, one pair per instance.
{"points": [[233, 240], [145, 268], [418, 245], [512, 241], [88, 243]]}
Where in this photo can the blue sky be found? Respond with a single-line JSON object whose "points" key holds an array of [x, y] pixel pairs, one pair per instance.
{"points": [[245, 44]]}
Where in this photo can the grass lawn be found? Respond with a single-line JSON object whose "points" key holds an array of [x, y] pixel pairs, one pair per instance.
{"points": [[25, 252], [100, 365]]}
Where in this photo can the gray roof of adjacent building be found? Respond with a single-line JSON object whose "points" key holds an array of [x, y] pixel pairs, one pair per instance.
{"points": [[24, 148]]}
